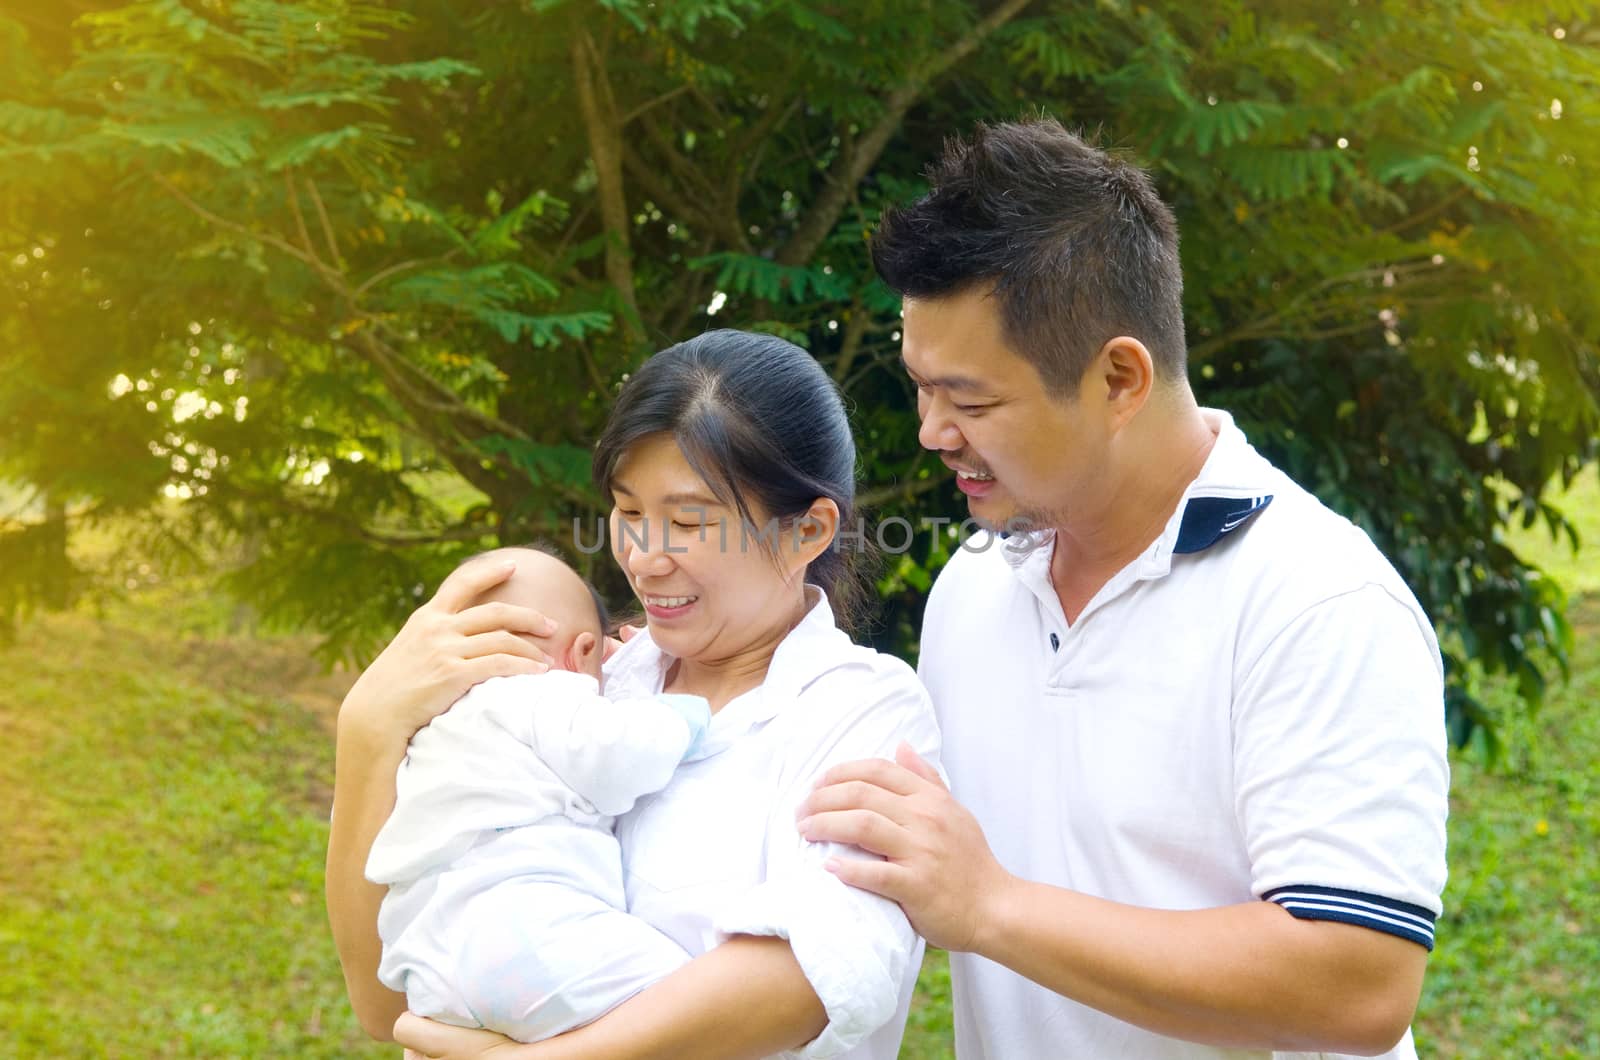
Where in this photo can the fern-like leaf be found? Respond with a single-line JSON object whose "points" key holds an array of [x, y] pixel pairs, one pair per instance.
{"points": [[764, 278]]}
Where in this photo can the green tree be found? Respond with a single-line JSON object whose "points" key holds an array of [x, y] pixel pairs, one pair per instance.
{"points": [[352, 285]]}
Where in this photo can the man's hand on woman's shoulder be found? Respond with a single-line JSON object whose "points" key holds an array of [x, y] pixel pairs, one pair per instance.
{"points": [[936, 862]]}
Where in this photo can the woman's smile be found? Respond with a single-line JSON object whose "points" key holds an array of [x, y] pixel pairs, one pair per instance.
{"points": [[667, 607]]}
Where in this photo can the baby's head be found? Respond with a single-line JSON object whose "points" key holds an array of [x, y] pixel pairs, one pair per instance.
{"points": [[546, 584]]}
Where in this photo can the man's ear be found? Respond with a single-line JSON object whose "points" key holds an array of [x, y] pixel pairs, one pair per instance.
{"points": [[1128, 373], [580, 651], [811, 533]]}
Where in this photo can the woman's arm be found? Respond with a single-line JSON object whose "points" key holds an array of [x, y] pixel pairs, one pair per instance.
{"points": [[444, 648], [364, 767], [743, 1000], [751, 996]]}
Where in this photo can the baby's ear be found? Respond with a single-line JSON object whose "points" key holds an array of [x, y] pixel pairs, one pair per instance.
{"points": [[583, 654]]}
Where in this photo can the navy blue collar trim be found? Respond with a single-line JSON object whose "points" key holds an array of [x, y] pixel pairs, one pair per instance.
{"points": [[1206, 520]]}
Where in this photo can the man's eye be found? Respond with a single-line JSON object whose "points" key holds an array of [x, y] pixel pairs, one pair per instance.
{"points": [[969, 410]]}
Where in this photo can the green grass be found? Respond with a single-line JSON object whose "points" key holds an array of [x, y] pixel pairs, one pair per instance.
{"points": [[161, 893], [166, 786], [1577, 572], [1517, 969]]}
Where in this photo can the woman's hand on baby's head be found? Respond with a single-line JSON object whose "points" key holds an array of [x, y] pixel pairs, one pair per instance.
{"points": [[447, 646]]}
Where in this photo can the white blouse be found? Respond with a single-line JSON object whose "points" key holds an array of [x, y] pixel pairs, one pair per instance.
{"points": [[715, 853]]}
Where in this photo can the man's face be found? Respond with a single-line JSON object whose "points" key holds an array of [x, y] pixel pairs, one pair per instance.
{"points": [[1020, 455]]}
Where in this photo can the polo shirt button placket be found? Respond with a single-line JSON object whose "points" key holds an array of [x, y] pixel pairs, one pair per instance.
{"points": [[1056, 678]]}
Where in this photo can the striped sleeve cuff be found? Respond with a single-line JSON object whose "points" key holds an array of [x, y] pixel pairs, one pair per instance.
{"points": [[1373, 911]]}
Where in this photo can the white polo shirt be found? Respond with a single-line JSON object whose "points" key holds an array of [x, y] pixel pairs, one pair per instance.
{"points": [[1253, 708], [716, 852]]}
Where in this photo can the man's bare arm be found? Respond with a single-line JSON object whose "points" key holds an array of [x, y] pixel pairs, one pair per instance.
{"points": [[1244, 976]]}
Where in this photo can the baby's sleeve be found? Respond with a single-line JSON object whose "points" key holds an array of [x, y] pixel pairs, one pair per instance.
{"points": [[611, 752], [857, 949]]}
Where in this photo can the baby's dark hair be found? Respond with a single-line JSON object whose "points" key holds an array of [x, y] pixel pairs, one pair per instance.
{"points": [[607, 627]]}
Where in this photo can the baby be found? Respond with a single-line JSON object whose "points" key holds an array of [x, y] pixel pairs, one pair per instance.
{"points": [[505, 907]]}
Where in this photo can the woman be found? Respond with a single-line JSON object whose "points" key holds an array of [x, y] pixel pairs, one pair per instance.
{"points": [[730, 465]]}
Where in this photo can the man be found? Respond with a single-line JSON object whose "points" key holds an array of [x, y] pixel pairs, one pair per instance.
{"points": [[1193, 719]]}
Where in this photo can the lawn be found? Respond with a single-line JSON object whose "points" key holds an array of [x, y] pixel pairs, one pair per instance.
{"points": [[162, 890], [167, 785]]}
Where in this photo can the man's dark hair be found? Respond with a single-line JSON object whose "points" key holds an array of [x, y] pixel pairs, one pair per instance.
{"points": [[1075, 244]]}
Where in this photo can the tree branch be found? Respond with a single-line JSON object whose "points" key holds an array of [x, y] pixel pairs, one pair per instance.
{"points": [[424, 395], [574, 226], [274, 241], [882, 357], [1437, 207], [860, 154], [596, 380], [605, 148], [384, 273], [433, 395], [648, 179], [752, 146], [287, 501], [685, 170], [293, 198], [647, 104], [1302, 306], [327, 226], [688, 301], [438, 429], [904, 491], [757, 134], [709, 104], [856, 319]]}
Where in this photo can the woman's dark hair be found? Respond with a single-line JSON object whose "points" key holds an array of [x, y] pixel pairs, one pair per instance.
{"points": [[761, 422], [1076, 245]]}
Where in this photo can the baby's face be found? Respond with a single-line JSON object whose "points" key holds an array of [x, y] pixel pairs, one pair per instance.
{"points": [[545, 584]]}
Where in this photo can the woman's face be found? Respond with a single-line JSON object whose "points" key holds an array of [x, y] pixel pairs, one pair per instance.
{"points": [[711, 589]]}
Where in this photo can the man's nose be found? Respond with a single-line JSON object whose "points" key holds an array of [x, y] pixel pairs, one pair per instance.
{"points": [[937, 431]]}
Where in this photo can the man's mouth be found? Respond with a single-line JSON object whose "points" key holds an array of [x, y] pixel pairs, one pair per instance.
{"points": [[975, 484]]}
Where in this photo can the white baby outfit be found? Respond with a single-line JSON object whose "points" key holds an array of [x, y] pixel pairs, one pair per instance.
{"points": [[506, 906]]}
